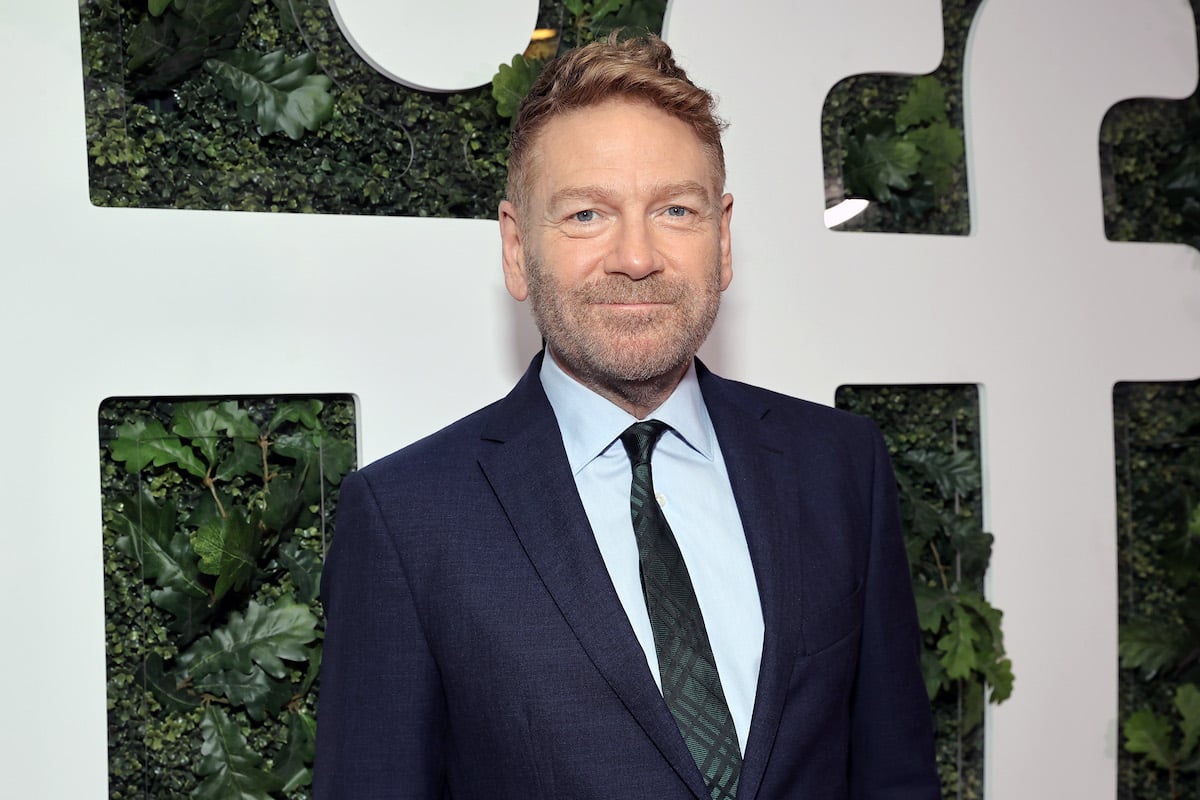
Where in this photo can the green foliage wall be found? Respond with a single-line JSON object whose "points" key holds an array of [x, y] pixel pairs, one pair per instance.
{"points": [[216, 521], [1149, 153]]}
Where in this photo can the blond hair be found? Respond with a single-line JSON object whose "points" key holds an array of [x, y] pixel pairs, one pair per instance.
{"points": [[641, 69]]}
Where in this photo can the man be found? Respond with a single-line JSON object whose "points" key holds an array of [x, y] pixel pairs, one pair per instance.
{"points": [[519, 606]]}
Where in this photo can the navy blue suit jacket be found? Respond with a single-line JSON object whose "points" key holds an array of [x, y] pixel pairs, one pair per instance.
{"points": [[477, 649]]}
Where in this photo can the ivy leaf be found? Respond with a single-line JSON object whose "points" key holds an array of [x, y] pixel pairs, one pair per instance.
{"points": [[512, 82], [140, 443], [1187, 700], [231, 770], [1149, 734], [294, 765], [228, 549], [925, 103], [304, 412], [274, 93], [957, 647], [146, 532], [263, 636], [255, 690], [878, 163]]}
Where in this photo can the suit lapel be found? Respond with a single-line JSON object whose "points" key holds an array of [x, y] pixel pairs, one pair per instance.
{"points": [[757, 469], [524, 460]]}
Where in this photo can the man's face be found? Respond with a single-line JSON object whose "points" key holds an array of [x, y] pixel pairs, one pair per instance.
{"points": [[624, 247]]}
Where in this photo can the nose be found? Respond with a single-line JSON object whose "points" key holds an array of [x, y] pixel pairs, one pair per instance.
{"points": [[634, 251]]}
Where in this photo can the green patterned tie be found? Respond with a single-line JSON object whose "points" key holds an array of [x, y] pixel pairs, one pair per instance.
{"points": [[690, 683]]}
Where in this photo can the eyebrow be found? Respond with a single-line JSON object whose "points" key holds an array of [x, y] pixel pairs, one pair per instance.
{"points": [[600, 192]]}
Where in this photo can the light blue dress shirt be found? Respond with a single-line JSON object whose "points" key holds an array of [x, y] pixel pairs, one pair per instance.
{"points": [[693, 489]]}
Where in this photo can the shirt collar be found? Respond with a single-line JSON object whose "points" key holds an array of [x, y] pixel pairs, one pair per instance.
{"points": [[589, 423]]}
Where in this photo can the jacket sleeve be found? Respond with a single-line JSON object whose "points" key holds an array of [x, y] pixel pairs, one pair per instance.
{"points": [[892, 754], [381, 724]]}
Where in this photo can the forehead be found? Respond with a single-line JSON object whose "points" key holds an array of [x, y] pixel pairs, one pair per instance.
{"points": [[620, 142]]}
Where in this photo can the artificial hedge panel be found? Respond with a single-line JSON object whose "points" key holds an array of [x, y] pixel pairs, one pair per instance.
{"points": [[217, 515], [932, 434]]}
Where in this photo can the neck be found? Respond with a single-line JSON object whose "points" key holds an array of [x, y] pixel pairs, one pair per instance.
{"points": [[637, 397]]}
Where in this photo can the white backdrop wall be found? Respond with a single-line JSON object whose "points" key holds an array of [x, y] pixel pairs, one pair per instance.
{"points": [[414, 321]]}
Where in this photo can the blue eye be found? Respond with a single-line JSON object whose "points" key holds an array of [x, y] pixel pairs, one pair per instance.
{"points": [[677, 211], [585, 216]]}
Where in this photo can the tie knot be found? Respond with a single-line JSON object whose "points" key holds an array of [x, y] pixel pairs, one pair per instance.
{"points": [[640, 437]]}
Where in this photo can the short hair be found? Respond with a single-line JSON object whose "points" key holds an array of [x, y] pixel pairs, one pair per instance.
{"points": [[640, 69]]}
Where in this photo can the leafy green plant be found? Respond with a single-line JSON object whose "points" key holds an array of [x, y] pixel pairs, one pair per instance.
{"points": [[215, 516], [1158, 458], [1154, 736], [906, 160], [931, 433], [590, 20], [178, 36]]}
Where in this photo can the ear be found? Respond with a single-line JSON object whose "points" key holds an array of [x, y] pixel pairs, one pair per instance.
{"points": [[512, 241], [726, 241]]}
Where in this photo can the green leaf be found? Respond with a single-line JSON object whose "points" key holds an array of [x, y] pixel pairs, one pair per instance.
{"points": [[236, 422], [189, 611], [198, 422], [957, 647], [933, 606], [228, 548], [1152, 646], [146, 532], [512, 82], [304, 412], [255, 690], [140, 443], [951, 473], [294, 765], [264, 636], [942, 150], [878, 163], [605, 7], [933, 672], [157, 7], [231, 770], [337, 458], [574, 6], [1149, 734], [167, 688], [924, 103], [278, 95], [305, 569], [1187, 700], [634, 18], [244, 458]]}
